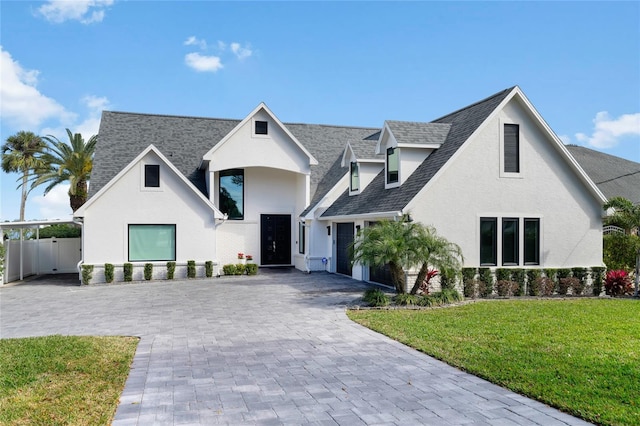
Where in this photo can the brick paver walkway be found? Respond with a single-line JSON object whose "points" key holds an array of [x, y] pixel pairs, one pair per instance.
{"points": [[272, 349]]}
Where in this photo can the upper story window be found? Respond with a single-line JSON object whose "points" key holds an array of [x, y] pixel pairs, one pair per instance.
{"points": [[511, 148], [355, 177], [152, 176], [232, 193], [261, 127], [392, 165]]}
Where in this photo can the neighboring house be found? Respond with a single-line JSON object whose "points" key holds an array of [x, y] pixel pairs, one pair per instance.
{"points": [[614, 176], [491, 177]]}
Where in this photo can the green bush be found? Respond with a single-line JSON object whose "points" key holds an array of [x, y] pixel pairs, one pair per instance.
{"points": [[208, 269], [108, 272], [251, 268], [597, 277], [405, 299], [518, 276], [148, 271], [564, 284], [532, 276], [619, 251], [87, 271], [550, 273], [448, 279], [545, 285], [447, 296], [376, 297], [60, 230], [229, 269], [503, 274], [2, 251], [240, 269], [581, 274], [171, 270], [428, 301], [485, 286], [191, 268], [128, 271], [506, 288], [469, 282]]}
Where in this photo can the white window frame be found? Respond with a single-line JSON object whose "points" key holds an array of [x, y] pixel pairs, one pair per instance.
{"points": [[503, 174]]}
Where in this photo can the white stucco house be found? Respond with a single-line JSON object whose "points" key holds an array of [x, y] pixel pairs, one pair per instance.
{"points": [[491, 177]]}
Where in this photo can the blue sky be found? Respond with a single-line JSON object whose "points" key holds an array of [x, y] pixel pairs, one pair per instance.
{"points": [[346, 63]]}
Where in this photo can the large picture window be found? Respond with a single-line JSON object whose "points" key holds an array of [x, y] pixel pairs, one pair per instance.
{"points": [[510, 241], [232, 193], [355, 177], [149, 243], [488, 241], [532, 241], [511, 148], [392, 165]]}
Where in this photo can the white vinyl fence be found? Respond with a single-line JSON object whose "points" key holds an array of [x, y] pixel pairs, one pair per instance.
{"points": [[44, 256]]}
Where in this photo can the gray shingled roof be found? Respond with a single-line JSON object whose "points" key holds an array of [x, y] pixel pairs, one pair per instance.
{"points": [[185, 140], [408, 132], [375, 198], [365, 149], [614, 176]]}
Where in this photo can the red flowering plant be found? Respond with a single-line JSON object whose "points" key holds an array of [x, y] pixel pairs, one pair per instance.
{"points": [[426, 283], [618, 283], [249, 257], [240, 255]]}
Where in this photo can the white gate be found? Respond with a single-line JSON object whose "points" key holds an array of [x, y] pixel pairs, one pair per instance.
{"points": [[44, 256]]}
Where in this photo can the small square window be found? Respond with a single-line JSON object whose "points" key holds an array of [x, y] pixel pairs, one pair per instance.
{"points": [[262, 128], [152, 176]]}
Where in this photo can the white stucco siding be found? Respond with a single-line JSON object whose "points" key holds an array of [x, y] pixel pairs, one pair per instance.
{"points": [[246, 149], [471, 186], [410, 159], [127, 202]]}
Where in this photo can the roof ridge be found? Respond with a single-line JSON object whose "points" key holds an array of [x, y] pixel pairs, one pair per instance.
{"points": [[500, 93], [193, 117]]}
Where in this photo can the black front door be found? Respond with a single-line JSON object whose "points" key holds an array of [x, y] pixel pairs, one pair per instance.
{"points": [[344, 237], [275, 237]]}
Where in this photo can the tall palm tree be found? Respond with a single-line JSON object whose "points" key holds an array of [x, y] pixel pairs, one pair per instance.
{"points": [[67, 162], [404, 245], [627, 215], [20, 153]]}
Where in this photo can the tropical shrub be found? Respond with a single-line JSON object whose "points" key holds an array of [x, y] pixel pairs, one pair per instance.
{"points": [[581, 274], [251, 268], [240, 269], [87, 271], [108, 272], [597, 277], [208, 268], [128, 271], [545, 285], [506, 287], [564, 284], [469, 283], [60, 230], [619, 251], [406, 299], [447, 296], [618, 283], [171, 270], [448, 279], [229, 269], [518, 276], [428, 301], [503, 274], [425, 287], [577, 286], [191, 268], [485, 286], [532, 276], [375, 297], [148, 271]]}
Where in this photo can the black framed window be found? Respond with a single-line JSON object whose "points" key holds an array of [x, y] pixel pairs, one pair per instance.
{"points": [[301, 237], [149, 243], [510, 241], [355, 176], [392, 165], [488, 241], [531, 241], [262, 127], [232, 193], [152, 176], [511, 148]]}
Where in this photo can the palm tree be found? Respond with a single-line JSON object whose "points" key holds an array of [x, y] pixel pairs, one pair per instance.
{"points": [[626, 215], [404, 245], [67, 162], [20, 154]]}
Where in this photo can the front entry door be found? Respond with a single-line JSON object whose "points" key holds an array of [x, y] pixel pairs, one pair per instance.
{"points": [[275, 239], [344, 237]]}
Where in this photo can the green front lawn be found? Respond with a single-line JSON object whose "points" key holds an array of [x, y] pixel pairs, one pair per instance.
{"points": [[581, 356], [58, 380]]}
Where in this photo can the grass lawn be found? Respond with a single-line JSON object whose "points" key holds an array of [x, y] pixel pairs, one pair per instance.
{"points": [[581, 356], [58, 380]]}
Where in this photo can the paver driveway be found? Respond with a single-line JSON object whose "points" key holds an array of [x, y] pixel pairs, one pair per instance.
{"points": [[272, 349]]}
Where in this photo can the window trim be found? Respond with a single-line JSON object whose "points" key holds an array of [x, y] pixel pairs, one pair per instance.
{"points": [[389, 182], [175, 241], [254, 125], [143, 177], [516, 242], [354, 166], [225, 173]]}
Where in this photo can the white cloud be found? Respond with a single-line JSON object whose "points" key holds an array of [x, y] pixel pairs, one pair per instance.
{"points": [[85, 11], [241, 52], [55, 205], [22, 104], [203, 63], [194, 41], [89, 126], [608, 131]]}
